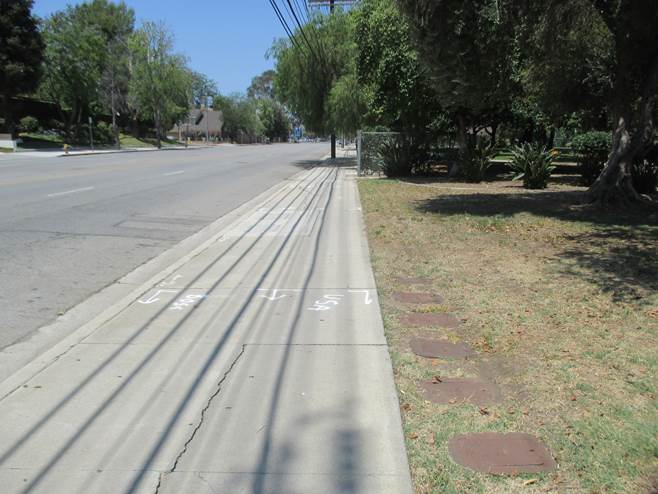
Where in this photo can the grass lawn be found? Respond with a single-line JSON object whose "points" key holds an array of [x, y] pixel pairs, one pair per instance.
{"points": [[561, 304], [49, 141]]}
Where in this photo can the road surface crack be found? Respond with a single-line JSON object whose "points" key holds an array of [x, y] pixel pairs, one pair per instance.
{"points": [[200, 423]]}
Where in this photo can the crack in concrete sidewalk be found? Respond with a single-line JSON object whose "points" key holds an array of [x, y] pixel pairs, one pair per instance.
{"points": [[201, 419]]}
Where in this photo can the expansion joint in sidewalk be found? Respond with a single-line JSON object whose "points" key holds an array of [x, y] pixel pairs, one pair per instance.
{"points": [[201, 420]]}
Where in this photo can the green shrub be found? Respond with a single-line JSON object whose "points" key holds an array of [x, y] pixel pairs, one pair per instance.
{"points": [[474, 162], [103, 133], [593, 149], [401, 156], [533, 164], [29, 124]]}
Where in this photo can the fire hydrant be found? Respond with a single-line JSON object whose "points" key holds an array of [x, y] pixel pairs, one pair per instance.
{"points": [[66, 148]]}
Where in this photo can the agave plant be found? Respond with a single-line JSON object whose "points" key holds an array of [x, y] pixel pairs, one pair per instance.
{"points": [[533, 164]]}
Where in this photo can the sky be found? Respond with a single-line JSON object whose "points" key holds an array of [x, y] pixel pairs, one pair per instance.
{"points": [[224, 39]]}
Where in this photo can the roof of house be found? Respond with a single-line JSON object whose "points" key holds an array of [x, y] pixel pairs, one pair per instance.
{"points": [[198, 119]]}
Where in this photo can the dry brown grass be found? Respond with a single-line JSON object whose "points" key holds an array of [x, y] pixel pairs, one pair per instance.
{"points": [[561, 303]]}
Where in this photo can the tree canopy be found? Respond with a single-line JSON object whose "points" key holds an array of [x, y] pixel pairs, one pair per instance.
{"points": [[21, 53]]}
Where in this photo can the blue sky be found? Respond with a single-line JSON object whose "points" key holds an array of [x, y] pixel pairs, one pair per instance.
{"points": [[224, 39]]}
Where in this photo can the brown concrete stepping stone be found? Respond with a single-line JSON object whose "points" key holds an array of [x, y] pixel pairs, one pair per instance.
{"points": [[405, 280], [498, 453], [430, 319], [454, 391], [431, 348], [417, 298]]}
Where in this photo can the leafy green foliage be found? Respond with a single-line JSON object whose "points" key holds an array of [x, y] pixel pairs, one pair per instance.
{"points": [[86, 59], [402, 155], [305, 75], [469, 47], [474, 161], [160, 84], [396, 86], [346, 105], [532, 163], [241, 121], [29, 124], [594, 149], [274, 119], [203, 89], [262, 86], [21, 53]]}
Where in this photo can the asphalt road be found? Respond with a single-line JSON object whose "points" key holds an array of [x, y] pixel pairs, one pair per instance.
{"points": [[71, 226]]}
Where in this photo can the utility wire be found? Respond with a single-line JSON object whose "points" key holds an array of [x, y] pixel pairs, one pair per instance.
{"points": [[283, 22], [301, 30]]}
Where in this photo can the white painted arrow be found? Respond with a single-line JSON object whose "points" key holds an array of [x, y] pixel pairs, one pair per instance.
{"points": [[154, 298], [274, 294], [368, 298]]}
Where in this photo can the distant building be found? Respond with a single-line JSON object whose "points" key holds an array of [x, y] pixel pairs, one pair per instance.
{"points": [[200, 122]]}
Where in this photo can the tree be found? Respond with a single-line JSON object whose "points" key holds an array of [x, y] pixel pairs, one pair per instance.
{"points": [[468, 46], [203, 89], [21, 54], [275, 121], [241, 121], [347, 105], [632, 25], [160, 83], [397, 87], [601, 55], [262, 86], [307, 69], [116, 24]]}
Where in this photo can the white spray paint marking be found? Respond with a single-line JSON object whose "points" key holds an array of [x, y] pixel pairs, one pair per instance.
{"points": [[155, 297], [83, 189], [275, 291], [186, 301], [172, 281], [173, 173], [368, 298], [327, 302]]}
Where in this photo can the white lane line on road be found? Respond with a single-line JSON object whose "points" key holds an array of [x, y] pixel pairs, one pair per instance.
{"points": [[83, 189], [173, 173]]}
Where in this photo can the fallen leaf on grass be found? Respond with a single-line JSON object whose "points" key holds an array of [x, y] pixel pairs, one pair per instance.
{"points": [[484, 411], [573, 398], [406, 407], [436, 380], [413, 435], [452, 401], [430, 439], [652, 312], [530, 481]]}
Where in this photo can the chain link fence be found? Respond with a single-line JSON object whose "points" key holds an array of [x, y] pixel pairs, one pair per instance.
{"points": [[372, 146], [369, 147]]}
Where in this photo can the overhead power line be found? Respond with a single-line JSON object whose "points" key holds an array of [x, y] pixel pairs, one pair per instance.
{"points": [[285, 25]]}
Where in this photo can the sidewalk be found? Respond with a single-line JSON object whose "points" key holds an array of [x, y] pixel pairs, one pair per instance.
{"points": [[258, 365]]}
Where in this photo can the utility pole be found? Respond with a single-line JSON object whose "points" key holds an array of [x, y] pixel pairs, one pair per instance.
{"points": [[91, 133], [333, 136], [207, 123]]}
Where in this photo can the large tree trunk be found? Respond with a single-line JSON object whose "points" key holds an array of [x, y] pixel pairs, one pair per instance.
{"points": [[633, 131], [615, 184]]}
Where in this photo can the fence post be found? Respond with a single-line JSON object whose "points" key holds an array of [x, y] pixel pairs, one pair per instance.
{"points": [[358, 153]]}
